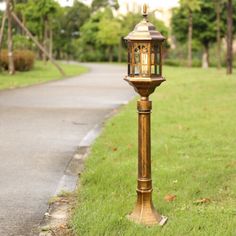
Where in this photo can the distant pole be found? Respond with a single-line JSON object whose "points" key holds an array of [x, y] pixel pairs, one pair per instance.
{"points": [[229, 59], [11, 67]]}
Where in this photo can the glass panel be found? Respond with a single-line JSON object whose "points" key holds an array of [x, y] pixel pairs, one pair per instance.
{"points": [[156, 70], [137, 55], [153, 52], [153, 69], [144, 61], [130, 59], [136, 70], [153, 58]]}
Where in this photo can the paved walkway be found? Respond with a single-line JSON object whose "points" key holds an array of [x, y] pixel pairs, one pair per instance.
{"points": [[40, 130]]}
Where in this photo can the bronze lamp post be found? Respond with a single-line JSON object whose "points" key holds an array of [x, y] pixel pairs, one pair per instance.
{"points": [[145, 74]]}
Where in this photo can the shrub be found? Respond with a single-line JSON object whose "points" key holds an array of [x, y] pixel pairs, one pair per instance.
{"points": [[23, 60]]}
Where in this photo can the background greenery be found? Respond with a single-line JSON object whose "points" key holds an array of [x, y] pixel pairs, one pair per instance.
{"points": [[95, 33]]}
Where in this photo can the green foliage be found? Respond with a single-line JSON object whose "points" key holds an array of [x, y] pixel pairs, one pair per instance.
{"points": [[23, 60], [193, 157], [179, 23], [88, 47], [224, 16], [204, 29], [103, 33], [22, 42], [190, 5], [109, 31], [204, 21], [98, 4], [67, 28], [36, 12], [78, 32]]}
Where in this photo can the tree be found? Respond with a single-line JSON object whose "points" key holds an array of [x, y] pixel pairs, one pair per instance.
{"points": [[3, 20], [218, 9], [11, 67], [67, 28], [190, 6], [203, 24], [229, 59], [205, 32], [98, 4], [88, 47], [109, 34], [39, 15]]}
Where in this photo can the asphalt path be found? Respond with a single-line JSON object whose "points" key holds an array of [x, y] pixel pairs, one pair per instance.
{"points": [[40, 130]]}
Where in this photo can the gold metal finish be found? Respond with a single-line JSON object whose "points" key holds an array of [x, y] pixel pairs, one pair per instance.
{"points": [[144, 211], [145, 74], [145, 11]]}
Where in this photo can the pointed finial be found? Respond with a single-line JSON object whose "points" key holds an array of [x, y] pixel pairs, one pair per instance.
{"points": [[145, 10]]}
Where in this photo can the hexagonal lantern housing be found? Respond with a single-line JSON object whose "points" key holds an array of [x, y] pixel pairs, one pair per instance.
{"points": [[145, 57]]}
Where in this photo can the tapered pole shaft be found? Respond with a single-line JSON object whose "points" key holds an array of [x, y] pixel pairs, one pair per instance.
{"points": [[144, 146], [144, 211]]}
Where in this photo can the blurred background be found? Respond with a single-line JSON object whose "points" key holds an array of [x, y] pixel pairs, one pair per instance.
{"points": [[197, 31]]}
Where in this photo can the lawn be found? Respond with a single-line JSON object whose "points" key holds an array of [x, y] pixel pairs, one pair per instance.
{"points": [[193, 157], [40, 73]]}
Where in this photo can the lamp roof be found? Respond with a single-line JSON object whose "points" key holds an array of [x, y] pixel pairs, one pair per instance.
{"points": [[145, 30]]}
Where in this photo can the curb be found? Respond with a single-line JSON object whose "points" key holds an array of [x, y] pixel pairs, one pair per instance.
{"points": [[56, 218]]}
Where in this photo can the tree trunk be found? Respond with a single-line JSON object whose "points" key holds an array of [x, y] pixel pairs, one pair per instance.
{"points": [[190, 36], [11, 67], [2, 28], [218, 35], [45, 40], [24, 23], [120, 51], [205, 57], [229, 59], [110, 53], [37, 43], [50, 41]]}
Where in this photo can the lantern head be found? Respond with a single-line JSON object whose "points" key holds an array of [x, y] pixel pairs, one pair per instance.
{"points": [[144, 56]]}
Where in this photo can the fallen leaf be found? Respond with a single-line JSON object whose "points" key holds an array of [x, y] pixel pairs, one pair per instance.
{"points": [[202, 200], [169, 198], [180, 127], [129, 146], [63, 226]]}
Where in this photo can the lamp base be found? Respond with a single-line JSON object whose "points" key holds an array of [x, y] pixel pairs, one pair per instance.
{"points": [[147, 216]]}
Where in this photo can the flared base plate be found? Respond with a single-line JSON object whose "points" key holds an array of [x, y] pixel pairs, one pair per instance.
{"points": [[152, 220]]}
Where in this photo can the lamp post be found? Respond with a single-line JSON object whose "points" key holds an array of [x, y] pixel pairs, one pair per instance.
{"points": [[145, 74]]}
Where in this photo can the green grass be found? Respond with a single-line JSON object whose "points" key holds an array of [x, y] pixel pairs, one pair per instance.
{"points": [[193, 157], [40, 73]]}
